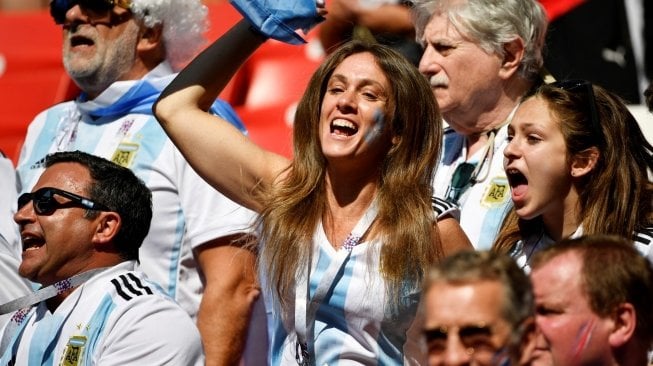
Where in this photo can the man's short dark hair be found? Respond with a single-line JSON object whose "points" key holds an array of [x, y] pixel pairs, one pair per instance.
{"points": [[119, 189]]}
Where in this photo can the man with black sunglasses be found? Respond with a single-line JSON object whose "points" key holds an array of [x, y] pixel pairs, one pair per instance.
{"points": [[122, 53], [479, 310], [81, 229]]}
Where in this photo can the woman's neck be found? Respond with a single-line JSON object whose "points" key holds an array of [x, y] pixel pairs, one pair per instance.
{"points": [[347, 201]]}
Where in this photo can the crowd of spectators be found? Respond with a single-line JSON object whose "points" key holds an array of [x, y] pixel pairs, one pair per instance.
{"points": [[454, 195]]}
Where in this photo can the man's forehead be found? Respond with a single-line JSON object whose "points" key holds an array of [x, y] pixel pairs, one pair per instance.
{"points": [[562, 272], [479, 300], [69, 176]]}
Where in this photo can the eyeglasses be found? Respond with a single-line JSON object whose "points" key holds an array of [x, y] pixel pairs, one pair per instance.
{"points": [[584, 89], [45, 203], [59, 8], [476, 340]]}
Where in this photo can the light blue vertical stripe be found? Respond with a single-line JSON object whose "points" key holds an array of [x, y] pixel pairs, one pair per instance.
{"points": [[45, 338], [96, 326], [26, 176], [152, 140], [88, 137], [331, 311], [492, 223]]}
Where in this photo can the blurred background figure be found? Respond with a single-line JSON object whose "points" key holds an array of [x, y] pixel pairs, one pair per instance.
{"points": [[385, 21], [13, 286], [608, 42], [21, 5]]}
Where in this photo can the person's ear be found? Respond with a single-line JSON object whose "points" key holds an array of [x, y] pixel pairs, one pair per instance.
{"points": [[583, 162], [527, 342], [151, 38], [108, 225], [625, 324], [512, 58]]}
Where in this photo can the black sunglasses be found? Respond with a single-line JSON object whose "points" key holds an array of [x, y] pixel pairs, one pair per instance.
{"points": [[45, 204], [59, 8], [584, 89]]}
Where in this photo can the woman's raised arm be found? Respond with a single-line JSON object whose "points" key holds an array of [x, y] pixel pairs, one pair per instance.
{"points": [[220, 153]]}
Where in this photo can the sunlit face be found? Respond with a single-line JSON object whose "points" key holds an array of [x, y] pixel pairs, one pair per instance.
{"points": [[569, 332], [97, 54], [464, 78], [56, 246], [464, 325], [354, 120], [536, 163]]}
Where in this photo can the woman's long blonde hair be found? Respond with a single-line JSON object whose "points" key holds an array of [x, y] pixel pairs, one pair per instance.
{"points": [[295, 205]]}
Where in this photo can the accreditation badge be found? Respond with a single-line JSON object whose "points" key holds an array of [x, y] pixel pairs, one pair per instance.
{"points": [[74, 351], [125, 154], [496, 193]]}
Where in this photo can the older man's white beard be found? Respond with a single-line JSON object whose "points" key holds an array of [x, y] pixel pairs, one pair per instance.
{"points": [[439, 80], [107, 64]]}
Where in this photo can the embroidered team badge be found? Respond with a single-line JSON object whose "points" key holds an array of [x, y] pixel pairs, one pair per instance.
{"points": [[496, 193], [74, 351], [125, 154]]}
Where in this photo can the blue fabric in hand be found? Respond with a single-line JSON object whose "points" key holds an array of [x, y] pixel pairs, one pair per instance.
{"points": [[278, 19]]}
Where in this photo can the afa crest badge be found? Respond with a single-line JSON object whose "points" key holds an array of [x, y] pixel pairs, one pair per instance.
{"points": [[496, 193], [74, 350], [124, 154]]}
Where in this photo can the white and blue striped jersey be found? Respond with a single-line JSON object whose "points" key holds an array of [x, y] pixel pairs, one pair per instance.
{"points": [[118, 125], [118, 317], [354, 323], [524, 249], [483, 205]]}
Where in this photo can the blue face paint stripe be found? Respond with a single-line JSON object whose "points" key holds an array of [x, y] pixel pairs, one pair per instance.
{"points": [[376, 131]]}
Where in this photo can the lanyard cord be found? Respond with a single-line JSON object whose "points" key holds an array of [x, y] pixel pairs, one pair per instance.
{"points": [[306, 307]]}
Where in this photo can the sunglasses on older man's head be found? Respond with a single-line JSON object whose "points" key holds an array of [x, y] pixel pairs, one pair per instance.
{"points": [[584, 89], [59, 8], [45, 203]]}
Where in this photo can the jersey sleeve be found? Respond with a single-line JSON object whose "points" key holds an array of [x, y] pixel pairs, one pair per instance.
{"points": [[208, 213], [443, 209], [148, 328]]}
